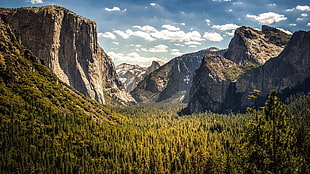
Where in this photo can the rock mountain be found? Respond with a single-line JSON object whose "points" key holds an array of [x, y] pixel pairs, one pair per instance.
{"points": [[225, 87], [67, 43], [131, 75], [171, 82]]}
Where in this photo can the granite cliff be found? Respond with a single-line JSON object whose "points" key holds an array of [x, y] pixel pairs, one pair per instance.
{"points": [[172, 81], [253, 47], [67, 43], [286, 73], [131, 75]]}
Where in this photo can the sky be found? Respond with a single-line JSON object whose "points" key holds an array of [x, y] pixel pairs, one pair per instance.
{"points": [[140, 31]]}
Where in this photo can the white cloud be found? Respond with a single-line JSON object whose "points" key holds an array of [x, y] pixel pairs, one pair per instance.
{"points": [[304, 14], [171, 28], [299, 7], [145, 28], [129, 33], [112, 9], [153, 4], [107, 35], [132, 58], [192, 46], [267, 18], [157, 49], [208, 21], [272, 5], [299, 19], [177, 35], [213, 36], [115, 43], [226, 27], [35, 1], [183, 24], [303, 7], [308, 24], [292, 24], [122, 34]]}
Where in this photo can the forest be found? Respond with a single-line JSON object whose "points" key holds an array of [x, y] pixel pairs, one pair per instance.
{"points": [[154, 139]]}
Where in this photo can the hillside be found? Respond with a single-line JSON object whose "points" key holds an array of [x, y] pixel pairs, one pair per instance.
{"points": [[41, 117]]}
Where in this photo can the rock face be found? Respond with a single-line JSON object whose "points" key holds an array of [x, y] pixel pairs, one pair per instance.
{"points": [[131, 75], [283, 73], [67, 43], [172, 81], [214, 76], [254, 47]]}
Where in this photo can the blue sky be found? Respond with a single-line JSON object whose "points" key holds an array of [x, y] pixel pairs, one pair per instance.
{"points": [[139, 31]]}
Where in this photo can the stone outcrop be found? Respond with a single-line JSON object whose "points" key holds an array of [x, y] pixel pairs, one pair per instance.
{"points": [[67, 43], [172, 81], [131, 75], [214, 76], [253, 47], [285, 73]]}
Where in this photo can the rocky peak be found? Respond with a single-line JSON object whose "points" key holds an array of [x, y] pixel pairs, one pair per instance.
{"points": [[288, 73], [250, 46], [172, 81], [130, 75], [154, 66], [67, 43]]}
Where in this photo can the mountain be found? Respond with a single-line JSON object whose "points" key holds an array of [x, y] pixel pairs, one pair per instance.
{"points": [[30, 88], [287, 73], [67, 43], [171, 82], [253, 48], [131, 75]]}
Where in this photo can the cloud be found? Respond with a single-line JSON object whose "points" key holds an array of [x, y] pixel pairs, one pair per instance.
{"points": [[153, 4], [177, 35], [112, 9], [221, 0], [157, 49], [145, 28], [171, 28], [107, 35], [299, 7], [213, 36], [129, 32], [35, 1], [238, 3], [303, 8], [308, 24], [272, 5], [292, 24], [299, 19], [131, 58], [304, 14], [208, 21], [226, 27], [267, 18]]}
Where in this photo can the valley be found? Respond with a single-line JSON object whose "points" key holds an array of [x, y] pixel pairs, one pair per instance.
{"points": [[66, 108]]}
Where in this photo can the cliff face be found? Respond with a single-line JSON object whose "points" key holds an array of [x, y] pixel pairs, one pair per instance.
{"points": [[214, 76], [250, 46], [289, 69], [172, 81], [67, 43], [31, 90], [219, 93], [131, 75]]}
